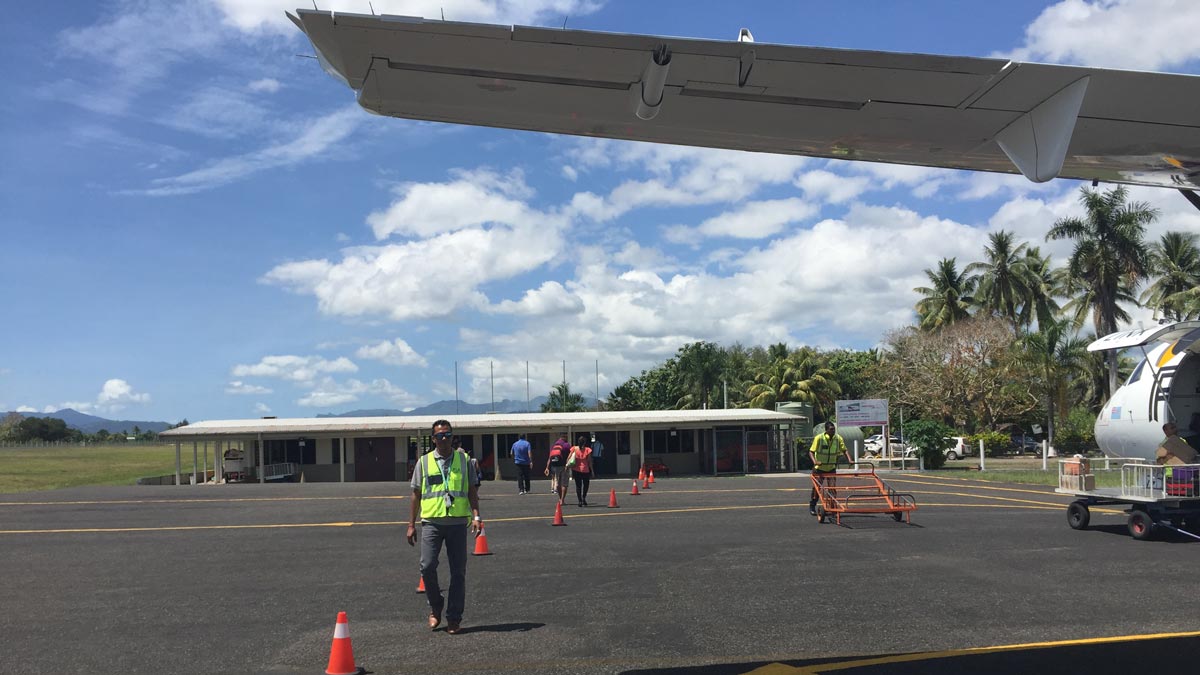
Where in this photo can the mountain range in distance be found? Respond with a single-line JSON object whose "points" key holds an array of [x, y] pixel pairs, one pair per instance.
{"points": [[90, 424]]}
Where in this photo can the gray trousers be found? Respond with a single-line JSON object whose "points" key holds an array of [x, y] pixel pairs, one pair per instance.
{"points": [[455, 539]]}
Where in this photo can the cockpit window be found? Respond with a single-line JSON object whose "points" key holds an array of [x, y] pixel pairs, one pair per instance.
{"points": [[1137, 372]]}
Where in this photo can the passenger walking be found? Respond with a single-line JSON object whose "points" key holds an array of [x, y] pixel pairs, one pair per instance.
{"points": [[558, 480], [824, 453], [523, 458], [555, 469], [445, 487], [580, 464]]}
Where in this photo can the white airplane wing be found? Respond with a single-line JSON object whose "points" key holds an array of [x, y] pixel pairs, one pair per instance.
{"points": [[942, 111], [1186, 335]]}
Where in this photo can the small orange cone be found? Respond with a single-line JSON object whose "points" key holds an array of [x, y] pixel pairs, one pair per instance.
{"points": [[341, 654], [612, 498], [635, 492], [642, 473], [645, 483], [558, 520], [652, 476], [421, 586], [481, 547]]}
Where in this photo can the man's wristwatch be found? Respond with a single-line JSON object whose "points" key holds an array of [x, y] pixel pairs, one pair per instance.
{"points": [[478, 519]]}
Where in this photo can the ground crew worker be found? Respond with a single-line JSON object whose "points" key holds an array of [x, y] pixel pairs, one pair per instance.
{"points": [[824, 454], [445, 496]]}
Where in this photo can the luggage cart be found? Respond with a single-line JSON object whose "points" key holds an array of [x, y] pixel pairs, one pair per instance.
{"points": [[1159, 497], [859, 491]]}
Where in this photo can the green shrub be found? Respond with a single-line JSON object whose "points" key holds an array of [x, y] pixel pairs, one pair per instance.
{"points": [[1076, 434], [994, 442], [931, 440]]}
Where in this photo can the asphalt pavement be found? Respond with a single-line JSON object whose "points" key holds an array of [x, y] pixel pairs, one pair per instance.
{"points": [[696, 575]]}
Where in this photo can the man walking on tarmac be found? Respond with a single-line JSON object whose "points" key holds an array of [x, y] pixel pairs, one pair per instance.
{"points": [[523, 458], [824, 453], [445, 496]]}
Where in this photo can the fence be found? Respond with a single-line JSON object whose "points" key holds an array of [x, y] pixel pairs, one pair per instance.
{"points": [[35, 445]]}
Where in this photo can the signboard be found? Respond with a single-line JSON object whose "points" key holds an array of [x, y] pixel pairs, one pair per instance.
{"points": [[871, 412]]}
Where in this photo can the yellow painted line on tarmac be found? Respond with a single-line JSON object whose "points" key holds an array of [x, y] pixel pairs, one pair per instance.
{"points": [[203, 500], [779, 668], [944, 482]]}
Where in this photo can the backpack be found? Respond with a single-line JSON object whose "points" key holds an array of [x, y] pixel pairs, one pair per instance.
{"points": [[556, 456]]}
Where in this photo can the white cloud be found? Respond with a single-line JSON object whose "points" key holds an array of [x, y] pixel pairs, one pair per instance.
{"points": [[266, 85], [294, 368], [825, 186], [329, 393], [27, 409], [1128, 34], [239, 387], [311, 142], [476, 198], [754, 220], [218, 113], [396, 352], [547, 300], [262, 408], [116, 394], [267, 15]]}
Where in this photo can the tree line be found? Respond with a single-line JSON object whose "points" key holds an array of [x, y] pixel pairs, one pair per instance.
{"points": [[17, 428]]}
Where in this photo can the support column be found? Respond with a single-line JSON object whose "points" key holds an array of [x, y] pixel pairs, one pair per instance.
{"points": [[178, 464], [262, 473], [342, 464], [195, 461], [205, 473]]}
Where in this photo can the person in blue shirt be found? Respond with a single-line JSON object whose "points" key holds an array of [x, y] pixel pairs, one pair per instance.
{"points": [[523, 458]]}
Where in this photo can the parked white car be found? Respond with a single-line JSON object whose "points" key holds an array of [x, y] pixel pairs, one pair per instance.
{"points": [[960, 448], [873, 446]]}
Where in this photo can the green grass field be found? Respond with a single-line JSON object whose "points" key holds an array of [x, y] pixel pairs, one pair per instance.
{"points": [[33, 469]]}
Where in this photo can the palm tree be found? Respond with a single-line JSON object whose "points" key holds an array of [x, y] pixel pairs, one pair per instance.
{"points": [[795, 377], [1057, 357], [1109, 259], [948, 299], [1003, 280], [1044, 287], [701, 365], [1176, 261], [562, 399]]}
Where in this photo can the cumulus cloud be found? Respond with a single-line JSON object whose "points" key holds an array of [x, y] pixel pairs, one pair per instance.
{"points": [[239, 387], [262, 408], [27, 409], [546, 300], [1098, 33], [754, 220], [474, 199], [266, 85], [116, 394], [395, 352], [295, 368], [328, 393]]}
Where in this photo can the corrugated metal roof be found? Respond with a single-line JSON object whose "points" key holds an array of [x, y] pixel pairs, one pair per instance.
{"points": [[510, 422]]}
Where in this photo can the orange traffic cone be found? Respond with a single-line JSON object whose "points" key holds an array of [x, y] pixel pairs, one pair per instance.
{"points": [[652, 476], [558, 520], [481, 544], [421, 586], [612, 498], [642, 473], [645, 483], [341, 654], [635, 492]]}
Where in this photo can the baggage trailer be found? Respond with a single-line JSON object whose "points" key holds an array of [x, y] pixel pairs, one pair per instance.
{"points": [[1159, 497], [859, 491]]}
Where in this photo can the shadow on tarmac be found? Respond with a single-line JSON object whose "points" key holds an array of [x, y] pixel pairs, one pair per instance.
{"points": [[502, 628], [1118, 657]]}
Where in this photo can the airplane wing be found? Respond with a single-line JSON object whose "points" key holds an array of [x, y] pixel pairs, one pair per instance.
{"points": [[981, 114], [1185, 333]]}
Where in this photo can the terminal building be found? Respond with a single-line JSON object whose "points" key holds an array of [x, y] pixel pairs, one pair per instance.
{"points": [[358, 449]]}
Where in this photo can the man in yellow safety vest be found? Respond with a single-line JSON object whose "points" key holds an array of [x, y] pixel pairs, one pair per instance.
{"points": [[824, 453], [445, 486]]}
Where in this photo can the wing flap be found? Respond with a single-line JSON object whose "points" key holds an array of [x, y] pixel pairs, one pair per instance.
{"points": [[1144, 336]]}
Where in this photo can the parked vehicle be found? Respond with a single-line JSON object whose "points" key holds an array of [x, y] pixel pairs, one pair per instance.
{"points": [[960, 448], [657, 466], [873, 446]]}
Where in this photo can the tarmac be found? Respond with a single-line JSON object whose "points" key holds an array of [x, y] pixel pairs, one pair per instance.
{"points": [[696, 575]]}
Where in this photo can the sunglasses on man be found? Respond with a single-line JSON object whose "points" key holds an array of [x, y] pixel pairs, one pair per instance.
{"points": [[443, 435]]}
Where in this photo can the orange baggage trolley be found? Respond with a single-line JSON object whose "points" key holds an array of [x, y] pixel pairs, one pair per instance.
{"points": [[859, 491]]}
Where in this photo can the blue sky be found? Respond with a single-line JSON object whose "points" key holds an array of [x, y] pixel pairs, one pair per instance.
{"points": [[198, 223]]}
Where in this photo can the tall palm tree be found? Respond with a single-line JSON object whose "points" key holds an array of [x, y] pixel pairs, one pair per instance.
{"points": [[701, 365], [1057, 357], [1110, 256], [1044, 286], [948, 299], [1003, 279], [795, 377], [562, 399], [1176, 260]]}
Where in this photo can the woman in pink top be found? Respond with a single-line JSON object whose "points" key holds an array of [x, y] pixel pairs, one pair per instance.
{"points": [[580, 462]]}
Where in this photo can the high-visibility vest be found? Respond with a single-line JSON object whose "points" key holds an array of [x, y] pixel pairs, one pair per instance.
{"points": [[827, 450], [454, 483]]}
